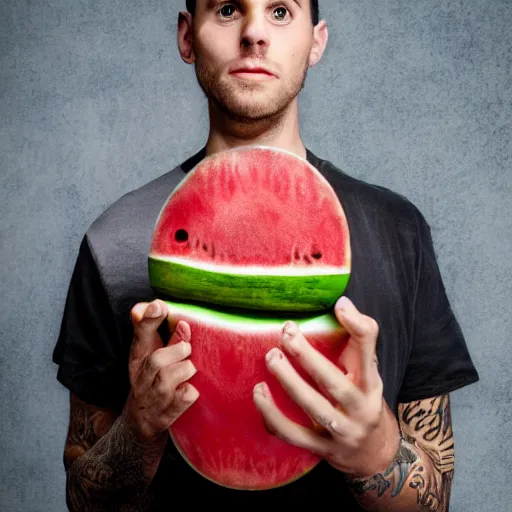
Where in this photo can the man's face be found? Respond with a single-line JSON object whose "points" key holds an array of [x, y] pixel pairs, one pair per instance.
{"points": [[252, 56]]}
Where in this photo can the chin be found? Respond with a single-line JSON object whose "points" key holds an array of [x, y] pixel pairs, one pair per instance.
{"points": [[251, 111], [252, 104]]}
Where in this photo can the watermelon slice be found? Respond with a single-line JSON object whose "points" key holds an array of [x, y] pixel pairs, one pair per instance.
{"points": [[222, 435], [254, 228]]}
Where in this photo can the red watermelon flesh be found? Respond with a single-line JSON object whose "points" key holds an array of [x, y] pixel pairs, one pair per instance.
{"points": [[222, 435], [256, 228]]}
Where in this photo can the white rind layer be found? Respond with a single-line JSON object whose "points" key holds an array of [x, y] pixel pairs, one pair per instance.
{"points": [[255, 270], [325, 322]]}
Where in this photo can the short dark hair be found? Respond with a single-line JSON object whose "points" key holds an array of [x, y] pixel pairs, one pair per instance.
{"points": [[315, 14]]}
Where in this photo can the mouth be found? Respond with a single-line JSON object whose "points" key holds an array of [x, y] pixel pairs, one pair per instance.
{"points": [[254, 72]]}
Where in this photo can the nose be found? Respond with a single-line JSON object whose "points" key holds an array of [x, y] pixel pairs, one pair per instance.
{"points": [[255, 32]]}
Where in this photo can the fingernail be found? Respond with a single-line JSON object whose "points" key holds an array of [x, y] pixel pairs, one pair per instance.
{"points": [[343, 303], [153, 310], [289, 330], [290, 340], [180, 330], [273, 354], [261, 389]]}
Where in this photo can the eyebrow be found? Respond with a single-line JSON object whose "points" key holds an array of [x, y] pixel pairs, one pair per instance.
{"points": [[212, 3]]}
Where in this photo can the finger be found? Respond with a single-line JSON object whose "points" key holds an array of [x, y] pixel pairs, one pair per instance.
{"points": [[317, 406], [165, 357], [363, 332], [283, 428], [329, 377], [168, 380], [185, 396], [146, 318], [181, 333]]}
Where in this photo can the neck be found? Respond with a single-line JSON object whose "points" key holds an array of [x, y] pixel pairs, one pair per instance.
{"points": [[280, 131]]}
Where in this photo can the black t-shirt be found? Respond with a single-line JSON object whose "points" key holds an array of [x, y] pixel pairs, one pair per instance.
{"points": [[395, 279]]}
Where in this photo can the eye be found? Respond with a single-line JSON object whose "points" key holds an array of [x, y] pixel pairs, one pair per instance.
{"points": [[227, 10], [279, 13]]}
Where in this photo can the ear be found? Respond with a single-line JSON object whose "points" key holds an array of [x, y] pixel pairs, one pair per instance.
{"points": [[320, 37], [185, 37]]}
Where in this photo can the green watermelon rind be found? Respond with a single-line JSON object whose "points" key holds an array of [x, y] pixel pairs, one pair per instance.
{"points": [[256, 321], [271, 292]]}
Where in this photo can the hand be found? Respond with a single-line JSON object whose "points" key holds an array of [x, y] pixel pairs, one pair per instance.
{"points": [[360, 434], [159, 391]]}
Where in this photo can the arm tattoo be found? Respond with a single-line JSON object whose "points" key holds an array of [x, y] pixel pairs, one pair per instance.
{"points": [[87, 424], [393, 478], [424, 462], [429, 421], [105, 464], [428, 424]]}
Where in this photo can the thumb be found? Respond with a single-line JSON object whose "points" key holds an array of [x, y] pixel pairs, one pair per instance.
{"points": [[146, 319]]}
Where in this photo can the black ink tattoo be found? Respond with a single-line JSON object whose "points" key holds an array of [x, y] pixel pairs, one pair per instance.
{"points": [[104, 472], [394, 477], [429, 422], [424, 462], [428, 426]]}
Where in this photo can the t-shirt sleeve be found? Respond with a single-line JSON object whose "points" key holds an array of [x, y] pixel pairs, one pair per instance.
{"points": [[439, 361], [87, 346]]}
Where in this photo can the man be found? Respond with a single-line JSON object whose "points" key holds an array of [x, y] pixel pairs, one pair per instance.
{"points": [[389, 442]]}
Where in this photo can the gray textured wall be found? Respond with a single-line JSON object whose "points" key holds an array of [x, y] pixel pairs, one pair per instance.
{"points": [[94, 101]]}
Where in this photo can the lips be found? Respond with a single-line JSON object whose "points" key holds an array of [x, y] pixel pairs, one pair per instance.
{"points": [[255, 71], [251, 69]]}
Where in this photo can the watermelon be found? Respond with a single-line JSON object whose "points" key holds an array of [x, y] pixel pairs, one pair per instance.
{"points": [[252, 228], [250, 237], [222, 435]]}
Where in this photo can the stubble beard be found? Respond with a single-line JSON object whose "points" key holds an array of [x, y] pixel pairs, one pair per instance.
{"points": [[245, 102]]}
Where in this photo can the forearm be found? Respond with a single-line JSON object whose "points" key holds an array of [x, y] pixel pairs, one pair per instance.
{"points": [[115, 473], [412, 483]]}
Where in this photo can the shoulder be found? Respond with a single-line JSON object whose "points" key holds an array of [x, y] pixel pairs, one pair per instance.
{"points": [[368, 202], [127, 224], [144, 201]]}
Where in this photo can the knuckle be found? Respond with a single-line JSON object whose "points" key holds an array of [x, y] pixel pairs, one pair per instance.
{"points": [[352, 442], [374, 417], [373, 422], [334, 391], [341, 396], [344, 396], [359, 437], [182, 349], [379, 388], [162, 384], [371, 326], [374, 326], [136, 309], [154, 361], [322, 419], [179, 397], [180, 372], [181, 400], [190, 368]]}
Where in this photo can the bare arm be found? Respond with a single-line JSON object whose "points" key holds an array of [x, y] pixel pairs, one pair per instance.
{"points": [[107, 464], [111, 459], [420, 476]]}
